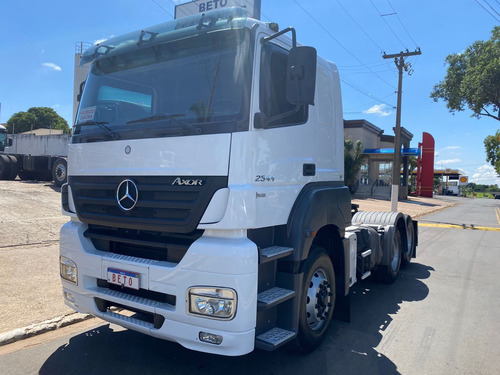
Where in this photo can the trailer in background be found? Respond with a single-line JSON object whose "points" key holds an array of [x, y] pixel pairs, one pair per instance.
{"points": [[35, 156]]}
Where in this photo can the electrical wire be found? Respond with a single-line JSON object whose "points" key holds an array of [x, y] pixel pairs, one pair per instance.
{"points": [[166, 11], [494, 10], [359, 26], [366, 93], [402, 24], [486, 10], [387, 23], [343, 47]]}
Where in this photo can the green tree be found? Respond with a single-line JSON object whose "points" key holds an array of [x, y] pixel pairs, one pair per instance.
{"points": [[353, 160], [492, 146], [473, 79], [37, 118], [412, 167]]}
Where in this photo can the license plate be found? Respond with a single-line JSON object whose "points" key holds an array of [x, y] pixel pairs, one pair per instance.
{"points": [[123, 278]]}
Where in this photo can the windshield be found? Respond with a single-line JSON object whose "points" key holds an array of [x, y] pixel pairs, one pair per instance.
{"points": [[3, 140], [199, 85]]}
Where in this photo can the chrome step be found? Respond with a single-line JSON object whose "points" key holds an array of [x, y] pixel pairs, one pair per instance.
{"points": [[274, 338], [274, 252], [273, 297]]}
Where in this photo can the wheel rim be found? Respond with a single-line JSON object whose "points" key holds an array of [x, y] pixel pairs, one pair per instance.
{"points": [[396, 251], [61, 172], [318, 300]]}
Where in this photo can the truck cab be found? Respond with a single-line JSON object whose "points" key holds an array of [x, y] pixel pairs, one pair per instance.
{"points": [[205, 187], [4, 141]]}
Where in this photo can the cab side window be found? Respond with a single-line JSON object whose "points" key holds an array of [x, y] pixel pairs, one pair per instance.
{"points": [[273, 102]]}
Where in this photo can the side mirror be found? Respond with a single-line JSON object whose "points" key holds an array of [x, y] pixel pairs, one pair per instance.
{"points": [[10, 142], [301, 75]]}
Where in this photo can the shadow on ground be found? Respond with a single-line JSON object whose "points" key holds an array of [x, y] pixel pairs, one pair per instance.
{"points": [[348, 348]]}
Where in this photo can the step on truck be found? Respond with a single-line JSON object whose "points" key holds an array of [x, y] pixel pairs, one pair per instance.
{"points": [[34, 157], [206, 190]]}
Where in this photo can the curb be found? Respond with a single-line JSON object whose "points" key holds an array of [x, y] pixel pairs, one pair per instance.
{"points": [[43, 327]]}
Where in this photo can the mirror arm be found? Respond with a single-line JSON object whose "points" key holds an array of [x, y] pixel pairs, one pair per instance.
{"points": [[284, 31]]}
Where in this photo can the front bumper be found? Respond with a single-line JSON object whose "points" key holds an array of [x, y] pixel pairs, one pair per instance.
{"points": [[228, 260]]}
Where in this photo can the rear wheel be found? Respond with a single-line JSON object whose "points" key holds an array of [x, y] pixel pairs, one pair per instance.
{"points": [[410, 243], [389, 273], [59, 172], [4, 167], [317, 300], [13, 168]]}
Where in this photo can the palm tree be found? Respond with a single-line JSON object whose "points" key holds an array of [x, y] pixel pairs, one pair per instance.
{"points": [[353, 160]]}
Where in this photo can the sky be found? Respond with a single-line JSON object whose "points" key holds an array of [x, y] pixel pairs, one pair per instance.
{"points": [[38, 38]]}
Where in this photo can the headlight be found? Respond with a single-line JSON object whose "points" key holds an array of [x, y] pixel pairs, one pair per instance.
{"points": [[68, 269], [216, 303]]}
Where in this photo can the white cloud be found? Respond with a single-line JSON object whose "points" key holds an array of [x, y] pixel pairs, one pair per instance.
{"points": [[379, 110], [446, 162], [485, 175], [452, 148], [52, 66]]}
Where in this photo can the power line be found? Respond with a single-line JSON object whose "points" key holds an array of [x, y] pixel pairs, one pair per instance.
{"points": [[491, 14], [359, 26], [401, 22], [166, 11], [341, 45], [387, 23], [364, 92], [494, 10]]}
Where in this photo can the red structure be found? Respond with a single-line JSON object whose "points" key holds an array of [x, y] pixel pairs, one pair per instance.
{"points": [[425, 166]]}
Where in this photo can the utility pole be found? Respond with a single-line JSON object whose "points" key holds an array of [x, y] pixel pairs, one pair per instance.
{"points": [[399, 60]]}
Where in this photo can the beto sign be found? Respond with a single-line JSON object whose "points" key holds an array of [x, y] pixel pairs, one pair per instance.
{"points": [[200, 6]]}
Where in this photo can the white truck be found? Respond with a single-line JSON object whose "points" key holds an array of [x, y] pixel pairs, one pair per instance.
{"points": [[206, 190], [34, 157]]}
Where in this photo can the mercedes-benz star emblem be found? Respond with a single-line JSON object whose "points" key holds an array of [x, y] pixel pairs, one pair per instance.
{"points": [[127, 195]]}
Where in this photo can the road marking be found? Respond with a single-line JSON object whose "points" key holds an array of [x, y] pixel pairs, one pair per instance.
{"points": [[497, 211], [463, 226]]}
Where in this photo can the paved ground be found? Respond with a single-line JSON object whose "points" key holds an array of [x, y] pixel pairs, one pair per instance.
{"points": [[439, 317], [30, 219]]}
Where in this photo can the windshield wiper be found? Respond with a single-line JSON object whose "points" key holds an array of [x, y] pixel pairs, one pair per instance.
{"points": [[91, 122], [185, 127], [156, 117], [102, 125]]}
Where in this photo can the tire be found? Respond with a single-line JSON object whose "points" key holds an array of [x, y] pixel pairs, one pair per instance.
{"points": [[4, 167], [389, 273], [60, 172], [410, 243], [317, 300], [13, 168]]}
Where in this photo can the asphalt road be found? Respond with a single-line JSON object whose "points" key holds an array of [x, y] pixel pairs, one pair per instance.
{"points": [[440, 317]]}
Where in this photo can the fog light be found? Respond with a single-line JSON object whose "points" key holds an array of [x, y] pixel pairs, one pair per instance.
{"points": [[69, 297], [217, 303], [210, 338], [68, 270]]}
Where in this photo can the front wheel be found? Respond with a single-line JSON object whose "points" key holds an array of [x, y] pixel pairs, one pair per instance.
{"points": [[317, 300]]}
